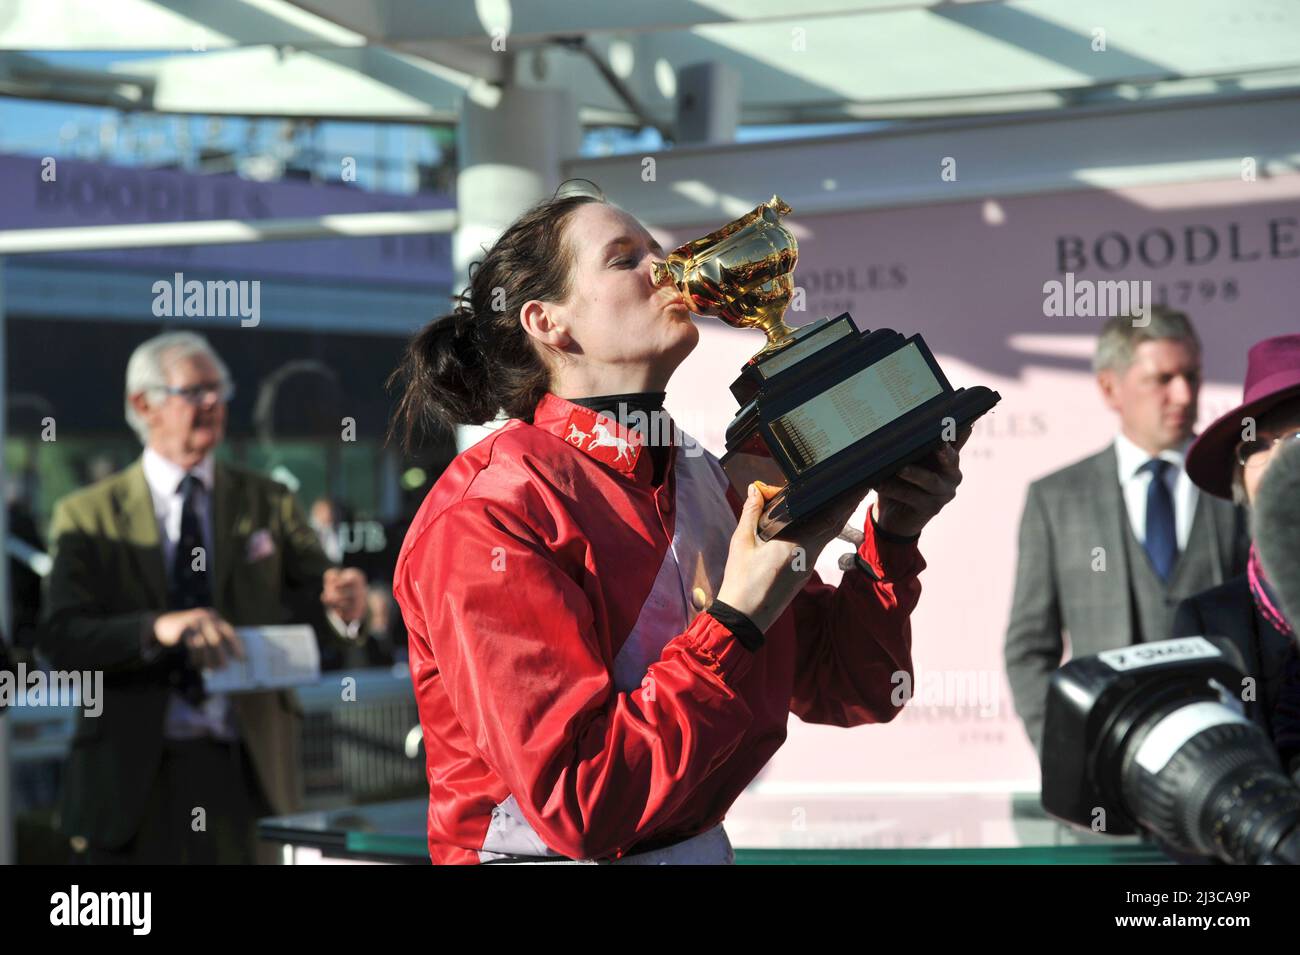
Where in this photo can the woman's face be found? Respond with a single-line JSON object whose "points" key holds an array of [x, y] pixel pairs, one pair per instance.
{"points": [[622, 328], [1276, 423]]}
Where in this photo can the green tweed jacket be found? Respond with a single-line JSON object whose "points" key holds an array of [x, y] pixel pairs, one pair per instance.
{"points": [[106, 587]]}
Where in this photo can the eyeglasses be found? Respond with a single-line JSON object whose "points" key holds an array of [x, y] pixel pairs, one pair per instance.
{"points": [[199, 394], [1251, 453]]}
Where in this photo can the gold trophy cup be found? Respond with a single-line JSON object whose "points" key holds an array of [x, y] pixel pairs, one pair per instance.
{"points": [[743, 273], [826, 408]]}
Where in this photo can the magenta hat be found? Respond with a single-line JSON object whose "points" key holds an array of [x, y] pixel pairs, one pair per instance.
{"points": [[1272, 376]]}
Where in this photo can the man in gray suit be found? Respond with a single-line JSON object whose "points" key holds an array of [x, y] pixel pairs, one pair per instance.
{"points": [[1110, 545]]}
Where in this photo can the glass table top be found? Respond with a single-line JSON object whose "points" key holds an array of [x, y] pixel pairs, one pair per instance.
{"points": [[860, 830]]}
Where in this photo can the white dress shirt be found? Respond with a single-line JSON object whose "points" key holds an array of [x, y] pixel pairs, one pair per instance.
{"points": [[214, 717], [1134, 482]]}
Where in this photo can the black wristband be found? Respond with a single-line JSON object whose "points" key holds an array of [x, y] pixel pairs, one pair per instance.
{"points": [[891, 536], [744, 629]]}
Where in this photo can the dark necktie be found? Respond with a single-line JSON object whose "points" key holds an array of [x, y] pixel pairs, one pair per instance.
{"points": [[189, 587], [1161, 539]]}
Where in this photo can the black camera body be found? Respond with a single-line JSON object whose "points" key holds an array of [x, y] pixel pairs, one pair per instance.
{"points": [[1097, 704]]}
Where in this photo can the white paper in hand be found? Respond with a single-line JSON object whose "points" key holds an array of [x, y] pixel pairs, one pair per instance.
{"points": [[273, 657]]}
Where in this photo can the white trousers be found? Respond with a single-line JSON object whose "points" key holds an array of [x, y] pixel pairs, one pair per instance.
{"points": [[711, 847]]}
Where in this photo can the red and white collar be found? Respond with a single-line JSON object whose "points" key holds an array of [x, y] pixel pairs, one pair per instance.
{"points": [[597, 435]]}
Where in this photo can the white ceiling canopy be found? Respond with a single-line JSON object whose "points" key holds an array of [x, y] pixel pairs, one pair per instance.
{"points": [[828, 60]]}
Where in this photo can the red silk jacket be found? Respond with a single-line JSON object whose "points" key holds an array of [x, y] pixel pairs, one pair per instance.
{"points": [[574, 699]]}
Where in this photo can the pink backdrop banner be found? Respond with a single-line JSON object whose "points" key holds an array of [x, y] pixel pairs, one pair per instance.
{"points": [[969, 276]]}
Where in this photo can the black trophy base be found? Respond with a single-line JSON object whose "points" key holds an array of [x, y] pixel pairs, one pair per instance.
{"points": [[845, 412]]}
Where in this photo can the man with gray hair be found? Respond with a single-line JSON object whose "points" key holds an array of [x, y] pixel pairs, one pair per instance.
{"points": [[1110, 545], [153, 568]]}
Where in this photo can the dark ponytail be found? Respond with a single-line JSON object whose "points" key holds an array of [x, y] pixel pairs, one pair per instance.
{"points": [[464, 367]]}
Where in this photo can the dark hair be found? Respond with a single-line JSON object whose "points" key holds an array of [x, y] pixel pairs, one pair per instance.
{"points": [[465, 367]]}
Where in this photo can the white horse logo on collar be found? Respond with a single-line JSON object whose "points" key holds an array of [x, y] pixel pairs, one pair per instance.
{"points": [[605, 439], [576, 432]]}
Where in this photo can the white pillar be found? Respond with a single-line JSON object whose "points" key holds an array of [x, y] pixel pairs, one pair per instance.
{"points": [[708, 103], [511, 143]]}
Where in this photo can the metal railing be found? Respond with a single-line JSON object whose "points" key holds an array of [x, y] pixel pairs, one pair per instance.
{"points": [[357, 742]]}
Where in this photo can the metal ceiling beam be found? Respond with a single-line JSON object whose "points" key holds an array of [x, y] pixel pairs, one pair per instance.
{"points": [[225, 231]]}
